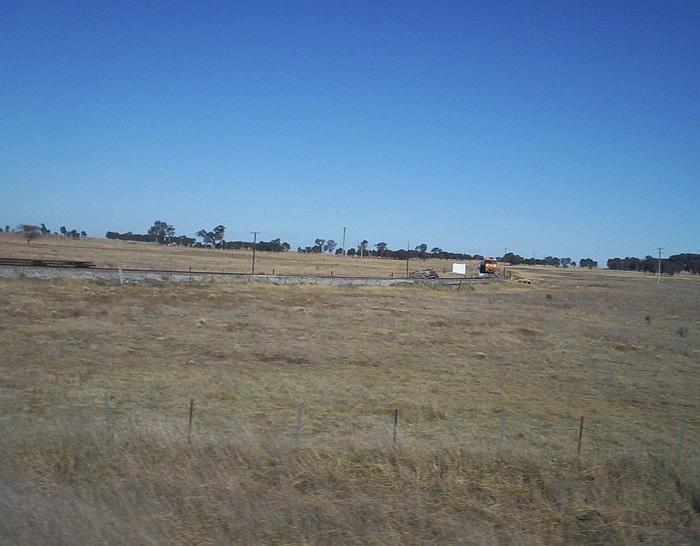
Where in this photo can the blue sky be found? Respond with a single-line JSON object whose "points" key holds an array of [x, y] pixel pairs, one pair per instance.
{"points": [[561, 128]]}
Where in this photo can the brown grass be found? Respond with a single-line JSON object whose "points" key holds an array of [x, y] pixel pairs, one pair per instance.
{"points": [[105, 253], [449, 360]]}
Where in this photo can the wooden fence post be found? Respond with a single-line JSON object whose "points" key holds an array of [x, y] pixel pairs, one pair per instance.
{"points": [[580, 435], [503, 428], [189, 421], [108, 415], [681, 439], [396, 424]]}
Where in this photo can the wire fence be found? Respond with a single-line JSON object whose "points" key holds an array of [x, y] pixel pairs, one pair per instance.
{"points": [[504, 431]]}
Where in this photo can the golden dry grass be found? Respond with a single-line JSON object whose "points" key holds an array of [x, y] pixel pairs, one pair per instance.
{"points": [[106, 253], [576, 343]]}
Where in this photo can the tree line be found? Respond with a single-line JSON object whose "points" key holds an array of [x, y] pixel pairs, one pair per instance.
{"points": [[669, 266], [515, 259], [382, 250], [163, 233], [31, 231]]}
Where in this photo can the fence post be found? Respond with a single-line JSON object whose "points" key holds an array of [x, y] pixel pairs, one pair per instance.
{"points": [[396, 424], [108, 415], [190, 278], [681, 439], [121, 276], [580, 435], [503, 428], [189, 421]]}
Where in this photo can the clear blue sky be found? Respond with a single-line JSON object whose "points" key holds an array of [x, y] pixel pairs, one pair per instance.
{"points": [[562, 128]]}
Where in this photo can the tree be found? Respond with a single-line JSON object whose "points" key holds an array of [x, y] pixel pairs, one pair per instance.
{"points": [[206, 236], [362, 247], [83, 234], [161, 230], [329, 246], [318, 245], [350, 252], [422, 249], [285, 247], [588, 262], [213, 237], [29, 231], [7, 229], [63, 231], [436, 250], [565, 262], [44, 230], [513, 259], [381, 248], [218, 232]]}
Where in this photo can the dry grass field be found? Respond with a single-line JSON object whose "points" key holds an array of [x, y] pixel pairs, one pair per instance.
{"points": [[490, 383], [105, 253]]}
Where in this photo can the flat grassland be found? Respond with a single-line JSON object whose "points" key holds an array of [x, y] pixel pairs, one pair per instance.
{"points": [[127, 255], [295, 389]]}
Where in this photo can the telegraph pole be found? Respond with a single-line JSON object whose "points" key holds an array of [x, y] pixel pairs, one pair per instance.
{"points": [[505, 251], [408, 256], [344, 240], [255, 240], [658, 270]]}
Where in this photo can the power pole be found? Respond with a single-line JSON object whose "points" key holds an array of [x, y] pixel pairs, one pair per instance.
{"points": [[255, 240], [408, 256], [658, 270], [344, 240], [505, 250]]}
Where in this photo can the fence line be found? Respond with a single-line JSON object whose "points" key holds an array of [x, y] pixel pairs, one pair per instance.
{"points": [[675, 449]]}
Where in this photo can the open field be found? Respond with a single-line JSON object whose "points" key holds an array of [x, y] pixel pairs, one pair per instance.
{"points": [[615, 348], [106, 253]]}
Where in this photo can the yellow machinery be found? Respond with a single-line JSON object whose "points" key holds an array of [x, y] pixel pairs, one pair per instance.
{"points": [[489, 266]]}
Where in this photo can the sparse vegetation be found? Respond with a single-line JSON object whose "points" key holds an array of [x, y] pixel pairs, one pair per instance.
{"points": [[75, 470]]}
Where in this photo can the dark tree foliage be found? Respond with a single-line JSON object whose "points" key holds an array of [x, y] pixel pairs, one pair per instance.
{"points": [[162, 231], [381, 250], [29, 231], [588, 262], [275, 245], [180, 240], [687, 262], [72, 233], [215, 237]]}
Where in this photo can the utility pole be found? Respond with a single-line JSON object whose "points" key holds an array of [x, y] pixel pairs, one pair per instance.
{"points": [[255, 240], [408, 256], [658, 270], [344, 240], [505, 251]]}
